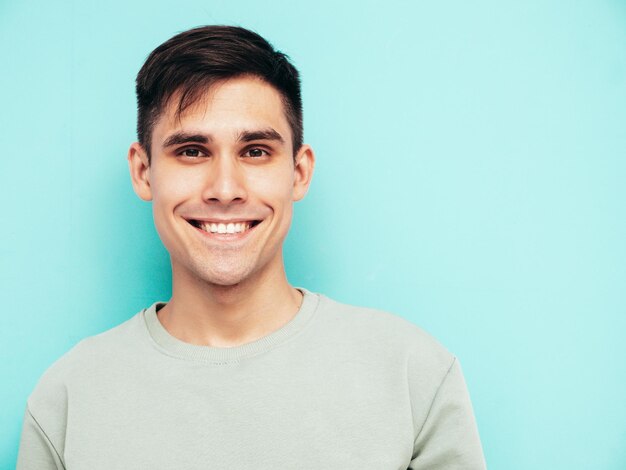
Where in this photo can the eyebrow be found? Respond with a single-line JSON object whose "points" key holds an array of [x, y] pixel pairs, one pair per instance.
{"points": [[261, 134], [244, 136], [185, 138]]}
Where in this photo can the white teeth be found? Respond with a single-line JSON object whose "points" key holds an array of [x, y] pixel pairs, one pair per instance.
{"points": [[231, 227]]}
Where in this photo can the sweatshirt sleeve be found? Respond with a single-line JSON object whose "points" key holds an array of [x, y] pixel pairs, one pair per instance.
{"points": [[36, 451], [449, 437]]}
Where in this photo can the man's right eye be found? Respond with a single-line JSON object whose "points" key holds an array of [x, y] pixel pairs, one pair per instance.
{"points": [[191, 153]]}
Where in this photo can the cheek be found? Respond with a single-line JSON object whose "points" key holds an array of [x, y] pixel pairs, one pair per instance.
{"points": [[171, 188], [275, 188]]}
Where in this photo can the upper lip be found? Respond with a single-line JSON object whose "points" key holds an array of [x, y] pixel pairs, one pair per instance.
{"points": [[222, 221]]}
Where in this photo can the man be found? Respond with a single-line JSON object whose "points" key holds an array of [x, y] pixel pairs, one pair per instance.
{"points": [[239, 369]]}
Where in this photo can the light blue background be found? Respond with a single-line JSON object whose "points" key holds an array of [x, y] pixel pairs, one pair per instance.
{"points": [[471, 177]]}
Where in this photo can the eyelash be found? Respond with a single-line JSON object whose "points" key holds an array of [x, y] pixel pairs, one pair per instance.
{"points": [[202, 154], [265, 152]]}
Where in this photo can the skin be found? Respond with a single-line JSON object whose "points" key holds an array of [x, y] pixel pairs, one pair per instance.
{"points": [[229, 158]]}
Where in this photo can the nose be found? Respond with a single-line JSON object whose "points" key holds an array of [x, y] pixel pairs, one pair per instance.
{"points": [[225, 181]]}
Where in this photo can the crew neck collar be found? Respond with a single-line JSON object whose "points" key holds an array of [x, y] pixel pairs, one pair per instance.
{"points": [[175, 347]]}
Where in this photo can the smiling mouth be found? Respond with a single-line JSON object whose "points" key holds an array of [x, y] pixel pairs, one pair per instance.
{"points": [[224, 227]]}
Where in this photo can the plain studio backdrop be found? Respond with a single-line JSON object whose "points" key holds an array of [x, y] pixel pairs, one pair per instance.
{"points": [[471, 177]]}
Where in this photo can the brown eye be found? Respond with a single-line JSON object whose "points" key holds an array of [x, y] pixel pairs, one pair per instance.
{"points": [[255, 153], [190, 153]]}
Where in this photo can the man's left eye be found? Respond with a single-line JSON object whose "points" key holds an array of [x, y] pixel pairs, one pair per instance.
{"points": [[255, 153]]}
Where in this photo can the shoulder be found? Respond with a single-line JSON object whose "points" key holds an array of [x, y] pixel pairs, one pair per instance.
{"points": [[84, 367], [85, 360], [385, 333], [395, 351]]}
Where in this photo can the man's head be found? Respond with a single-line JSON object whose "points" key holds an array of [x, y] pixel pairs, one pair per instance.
{"points": [[188, 64], [222, 158]]}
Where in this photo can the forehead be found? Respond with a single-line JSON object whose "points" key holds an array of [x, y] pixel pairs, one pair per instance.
{"points": [[226, 107]]}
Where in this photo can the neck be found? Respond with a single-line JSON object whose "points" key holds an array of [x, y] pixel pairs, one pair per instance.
{"points": [[227, 316]]}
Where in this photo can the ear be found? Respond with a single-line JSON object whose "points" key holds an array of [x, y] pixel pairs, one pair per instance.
{"points": [[139, 167], [303, 171]]}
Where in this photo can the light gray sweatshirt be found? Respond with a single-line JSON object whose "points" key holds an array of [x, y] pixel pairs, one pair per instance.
{"points": [[338, 387]]}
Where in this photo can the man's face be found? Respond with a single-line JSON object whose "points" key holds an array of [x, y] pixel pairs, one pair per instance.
{"points": [[222, 181]]}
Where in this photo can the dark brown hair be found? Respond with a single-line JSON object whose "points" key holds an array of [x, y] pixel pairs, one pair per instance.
{"points": [[190, 62]]}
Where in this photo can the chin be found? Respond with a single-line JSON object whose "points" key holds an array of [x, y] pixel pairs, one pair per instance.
{"points": [[227, 276], [224, 281]]}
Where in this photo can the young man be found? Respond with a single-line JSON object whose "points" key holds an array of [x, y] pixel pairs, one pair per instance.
{"points": [[239, 369]]}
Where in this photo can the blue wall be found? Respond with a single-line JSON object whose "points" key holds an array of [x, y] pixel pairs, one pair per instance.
{"points": [[471, 177]]}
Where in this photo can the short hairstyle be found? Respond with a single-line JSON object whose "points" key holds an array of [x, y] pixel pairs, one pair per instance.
{"points": [[190, 62]]}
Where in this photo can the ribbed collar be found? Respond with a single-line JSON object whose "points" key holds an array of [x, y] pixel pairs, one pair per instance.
{"points": [[177, 348]]}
